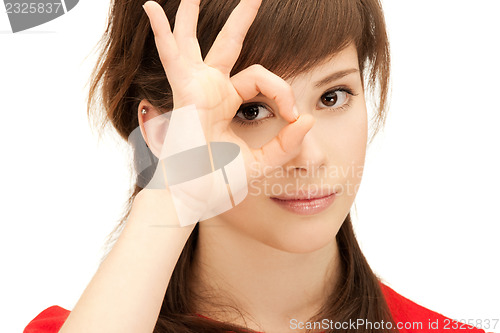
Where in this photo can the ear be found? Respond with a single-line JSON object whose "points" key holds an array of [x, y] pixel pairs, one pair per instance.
{"points": [[153, 125]]}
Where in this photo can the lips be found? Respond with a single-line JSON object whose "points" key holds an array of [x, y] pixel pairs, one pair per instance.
{"points": [[305, 203]]}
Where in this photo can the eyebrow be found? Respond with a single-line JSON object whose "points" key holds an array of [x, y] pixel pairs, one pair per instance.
{"points": [[334, 76]]}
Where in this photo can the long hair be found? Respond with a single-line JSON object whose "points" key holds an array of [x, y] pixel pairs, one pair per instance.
{"points": [[288, 37]]}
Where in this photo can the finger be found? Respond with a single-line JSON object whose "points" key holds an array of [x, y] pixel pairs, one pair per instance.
{"points": [[227, 46], [186, 22], [285, 145], [254, 79], [168, 51]]}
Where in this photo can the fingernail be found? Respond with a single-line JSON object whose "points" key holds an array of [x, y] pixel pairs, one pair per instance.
{"points": [[295, 112]]}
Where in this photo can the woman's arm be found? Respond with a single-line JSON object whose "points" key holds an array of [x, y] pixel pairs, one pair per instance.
{"points": [[126, 292]]}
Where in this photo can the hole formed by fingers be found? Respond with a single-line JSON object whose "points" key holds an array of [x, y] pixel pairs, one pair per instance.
{"points": [[257, 79]]}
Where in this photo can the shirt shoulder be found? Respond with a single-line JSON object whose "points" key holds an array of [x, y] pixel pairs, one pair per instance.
{"points": [[415, 318], [49, 320]]}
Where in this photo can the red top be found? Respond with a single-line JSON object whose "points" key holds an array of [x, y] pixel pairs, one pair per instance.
{"points": [[404, 312]]}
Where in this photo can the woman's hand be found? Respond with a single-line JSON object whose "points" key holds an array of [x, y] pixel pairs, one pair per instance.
{"points": [[206, 83]]}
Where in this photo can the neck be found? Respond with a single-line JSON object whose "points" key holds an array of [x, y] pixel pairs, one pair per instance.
{"points": [[269, 286]]}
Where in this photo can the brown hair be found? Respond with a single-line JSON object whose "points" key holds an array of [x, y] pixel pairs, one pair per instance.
{"points": [[288, 37]]}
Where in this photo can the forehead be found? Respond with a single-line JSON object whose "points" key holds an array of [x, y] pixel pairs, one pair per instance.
{"points": [[342, 63]]}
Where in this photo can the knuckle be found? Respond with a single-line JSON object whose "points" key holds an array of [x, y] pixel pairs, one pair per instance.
{"points": [[237, 39], [287, 88], [257, 67], [281, 141], [285, 91]]}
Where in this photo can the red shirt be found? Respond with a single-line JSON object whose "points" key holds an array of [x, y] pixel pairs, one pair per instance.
{"points": [[405, 312]]}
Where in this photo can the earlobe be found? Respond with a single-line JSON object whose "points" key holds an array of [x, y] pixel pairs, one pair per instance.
{"points": [[152, 125], [141, 117]]}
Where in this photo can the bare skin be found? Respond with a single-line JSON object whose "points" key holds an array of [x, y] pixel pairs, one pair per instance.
{"points": [[274, 265]]}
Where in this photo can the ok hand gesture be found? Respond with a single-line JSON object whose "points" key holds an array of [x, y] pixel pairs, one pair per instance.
{"points": [[217, 96]]}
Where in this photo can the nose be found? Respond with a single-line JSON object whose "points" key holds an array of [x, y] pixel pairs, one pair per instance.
{"points": [[311, 157]]}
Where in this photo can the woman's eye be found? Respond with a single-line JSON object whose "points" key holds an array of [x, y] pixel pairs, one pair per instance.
{"points": [[251, 114], [335, 98]]}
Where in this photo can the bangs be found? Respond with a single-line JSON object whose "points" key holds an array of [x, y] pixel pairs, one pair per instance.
{"points": [[290, 37]]}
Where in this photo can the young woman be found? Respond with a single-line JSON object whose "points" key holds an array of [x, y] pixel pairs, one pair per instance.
{"points": [[286, 82]]}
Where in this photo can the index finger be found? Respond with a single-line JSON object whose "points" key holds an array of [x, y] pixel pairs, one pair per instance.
{"points": [[256, 78], [227, 46]]}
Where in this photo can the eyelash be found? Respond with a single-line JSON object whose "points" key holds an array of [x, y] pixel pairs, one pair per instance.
{"points": [[344, 107]]}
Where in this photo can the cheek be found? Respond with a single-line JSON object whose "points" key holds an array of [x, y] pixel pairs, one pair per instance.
{"points": [[346, 140], [253, 217], [354, 132], [346, 132]]}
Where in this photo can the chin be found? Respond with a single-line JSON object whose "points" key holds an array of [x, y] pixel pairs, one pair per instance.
{"points": [[301, 236]]}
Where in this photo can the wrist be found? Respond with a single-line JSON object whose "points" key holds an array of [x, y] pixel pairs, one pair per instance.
{"points": [[154, 207]]}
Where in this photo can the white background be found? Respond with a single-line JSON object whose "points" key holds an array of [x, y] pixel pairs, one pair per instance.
{"points": [[428, 218]]}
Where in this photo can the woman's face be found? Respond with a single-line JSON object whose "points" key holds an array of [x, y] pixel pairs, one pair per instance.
{"points": [[331, 159]]}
